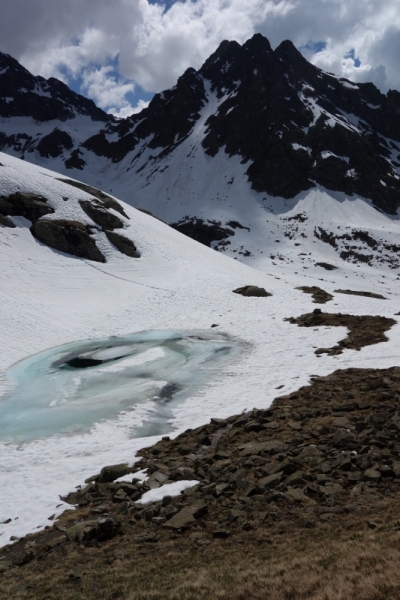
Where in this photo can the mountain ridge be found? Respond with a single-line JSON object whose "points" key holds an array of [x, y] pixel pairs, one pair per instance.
{"points": [[252, 132]]}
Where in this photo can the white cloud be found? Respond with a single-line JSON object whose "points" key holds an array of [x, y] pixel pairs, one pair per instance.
{"points": [[154, 45], [127, 110], [104, 88]]}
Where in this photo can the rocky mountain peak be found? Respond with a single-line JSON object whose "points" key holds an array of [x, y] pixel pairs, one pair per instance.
{"points": [[25, 95], [294, 125]]}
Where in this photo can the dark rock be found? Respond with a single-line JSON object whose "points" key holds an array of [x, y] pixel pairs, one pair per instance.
{"points": [[54, 144], [30, 206], [270, 481], [70, 237], [186, 517], [294, 495], [100, 215], [372, 475], [343, 439], [326, 266], [251, 290], [105, 199], [204, 232], [113, 472], [221, 534], [366, 294], [123, 244], [6, 222]]}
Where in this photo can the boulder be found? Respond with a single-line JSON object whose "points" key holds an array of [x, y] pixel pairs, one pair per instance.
{"points": [[5, 221], [186, 517], [30, 206], [113, 472], [270, 481], [100, 215], [70, 237], [251, 290], [105, 199], [123, 244]]}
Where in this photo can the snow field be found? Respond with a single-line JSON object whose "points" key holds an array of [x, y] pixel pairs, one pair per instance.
{"points": [[49, 298]]}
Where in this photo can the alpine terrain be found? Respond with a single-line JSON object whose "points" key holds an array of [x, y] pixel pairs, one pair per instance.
{"points": [[199, 369]]}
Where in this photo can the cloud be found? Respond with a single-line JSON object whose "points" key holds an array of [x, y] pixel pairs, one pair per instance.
{"points": [[127, 109], [153, 44], [106, 89]]}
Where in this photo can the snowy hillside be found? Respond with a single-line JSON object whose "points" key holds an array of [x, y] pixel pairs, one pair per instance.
{"points": [[174, 297]]}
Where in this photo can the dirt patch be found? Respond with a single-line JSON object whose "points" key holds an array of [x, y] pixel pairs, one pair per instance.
{"points": [[319, 295], [296, 501], [364, 330], [366, 294]]}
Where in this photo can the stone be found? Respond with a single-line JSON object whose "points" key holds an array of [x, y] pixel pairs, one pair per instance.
{"points": [[146, 537], [128, 488], [270, 481], [295, 479], [295, 425], [6, 222], [270, 447], [119, 495], [342, 422], [186, 517], [5, 565], [310, 452], [366, 294], [294, 495], [221, 534], [372, 475], [113, 472], [100, 215], [30, 206], [343, 439], [331, 489], [251, 290], [66, 236], [123, 244], [221, 488]]}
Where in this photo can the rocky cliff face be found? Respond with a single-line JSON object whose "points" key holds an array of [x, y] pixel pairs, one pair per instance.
{"points": [[293, 126]]}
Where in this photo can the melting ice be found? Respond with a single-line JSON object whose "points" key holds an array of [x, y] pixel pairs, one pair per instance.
{"points": [[67, 389]]}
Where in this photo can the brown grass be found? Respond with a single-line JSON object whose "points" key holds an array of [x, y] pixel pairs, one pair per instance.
{"points": [[334, 561]]}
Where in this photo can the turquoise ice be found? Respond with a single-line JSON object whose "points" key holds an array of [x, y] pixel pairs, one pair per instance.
{"points": [[65, 390]]}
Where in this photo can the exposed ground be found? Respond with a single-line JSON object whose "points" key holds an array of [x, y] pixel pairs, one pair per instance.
{"points": [[364, 330], [319, 295], [296, 502]]}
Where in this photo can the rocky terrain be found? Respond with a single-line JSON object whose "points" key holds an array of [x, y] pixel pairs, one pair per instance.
{"points": [[67, 235], [322, 457]]}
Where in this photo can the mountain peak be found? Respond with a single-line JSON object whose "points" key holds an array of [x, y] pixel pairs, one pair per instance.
{"points": [[258, 43]]}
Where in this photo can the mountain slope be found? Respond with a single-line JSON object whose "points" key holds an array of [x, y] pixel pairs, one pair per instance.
{"points": [[50, 297]]}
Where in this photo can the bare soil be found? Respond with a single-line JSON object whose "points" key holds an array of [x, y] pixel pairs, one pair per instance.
{"points": [[364, 330]]}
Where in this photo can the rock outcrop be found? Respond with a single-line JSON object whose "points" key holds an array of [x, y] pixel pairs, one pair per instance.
{"points": [[71, 237]]}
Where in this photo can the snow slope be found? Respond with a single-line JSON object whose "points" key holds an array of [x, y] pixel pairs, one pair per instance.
{"points": [[49, 298]]}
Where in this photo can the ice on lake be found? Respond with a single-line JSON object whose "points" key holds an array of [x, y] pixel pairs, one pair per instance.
{"points": [[67, 389]]}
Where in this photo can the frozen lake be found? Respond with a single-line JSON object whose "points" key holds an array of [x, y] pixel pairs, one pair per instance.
{"points": [[65, 390]]}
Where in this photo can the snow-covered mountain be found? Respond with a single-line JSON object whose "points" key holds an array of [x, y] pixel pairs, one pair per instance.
{"points": [[237, 155]]}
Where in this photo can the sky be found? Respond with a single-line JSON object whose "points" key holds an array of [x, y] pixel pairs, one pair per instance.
{"points": [[120, 52]]}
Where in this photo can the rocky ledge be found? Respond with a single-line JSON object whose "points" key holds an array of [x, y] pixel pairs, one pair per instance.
{"points": [[318, 455], [66, 235]]}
